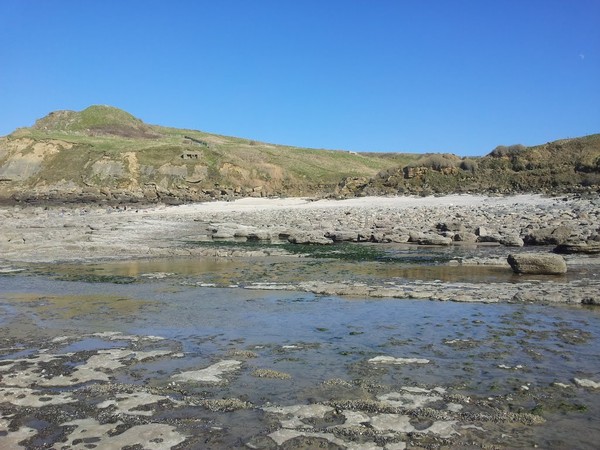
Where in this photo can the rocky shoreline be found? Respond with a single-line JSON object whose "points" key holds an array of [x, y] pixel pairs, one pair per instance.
{"points": [[511, 224], [114, 336]]}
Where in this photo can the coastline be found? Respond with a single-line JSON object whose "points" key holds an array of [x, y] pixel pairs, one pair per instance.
{"points": [[492, 227]]}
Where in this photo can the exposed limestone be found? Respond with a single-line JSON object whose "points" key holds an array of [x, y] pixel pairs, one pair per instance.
{"points": [[582, 382], [408, 400], [537, 263], [20, 396], [297, 414], [296, 421], [129, 403], [211, 374], [149, 436], [96, 368], [443, 428], [585, 248], [511, 240], [548, 235], [583, 291], [431, 239], [397, 361], [40, 235], [397, 423], [309, 238], [11, 439], [283, 435]]}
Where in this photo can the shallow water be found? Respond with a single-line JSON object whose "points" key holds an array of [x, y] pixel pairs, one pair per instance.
{"points": [[497, 362]]}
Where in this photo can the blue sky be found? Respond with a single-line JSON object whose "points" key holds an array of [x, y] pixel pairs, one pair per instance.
{"points": [[459, 76]]}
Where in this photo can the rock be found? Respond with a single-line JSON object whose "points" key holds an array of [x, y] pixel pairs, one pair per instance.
{"points": [[490, 238], [259, 235], [397, 361], [224, 233], [378, 236], [548, 236], [537, 263], [398, 238], [434, 239], [512, 240], [451, 226], [483, 232], [339, 236], [582, 382], [309, 238], [228, 231], [586, 248], [488, 235], [465, 236]]}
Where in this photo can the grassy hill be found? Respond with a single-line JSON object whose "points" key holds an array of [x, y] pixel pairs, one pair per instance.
{"points": [[561, 166], [104, 154]]}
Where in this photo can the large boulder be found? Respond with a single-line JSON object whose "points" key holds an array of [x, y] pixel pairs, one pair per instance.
{"points": [[537, 263]]}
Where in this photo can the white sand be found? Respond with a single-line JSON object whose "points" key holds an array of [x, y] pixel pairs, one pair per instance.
{"points": [[256, 204]]}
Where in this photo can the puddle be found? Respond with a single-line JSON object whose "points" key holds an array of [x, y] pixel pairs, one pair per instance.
{"points": [[361, 263], [159, 364]]}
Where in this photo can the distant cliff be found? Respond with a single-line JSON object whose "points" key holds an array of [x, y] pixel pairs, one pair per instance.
{"points": [[105, 155], [568, 165]]}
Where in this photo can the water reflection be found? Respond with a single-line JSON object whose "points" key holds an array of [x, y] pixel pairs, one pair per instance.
{"points": [[240, 271], [504, 358]]}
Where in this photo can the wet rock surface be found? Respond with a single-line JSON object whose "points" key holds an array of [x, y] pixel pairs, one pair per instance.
{"points": [[198, 368], [476, 231], [89, 232], [219, 332]]}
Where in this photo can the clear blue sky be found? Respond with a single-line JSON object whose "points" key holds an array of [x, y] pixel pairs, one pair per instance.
{"points": [[458, 76]]}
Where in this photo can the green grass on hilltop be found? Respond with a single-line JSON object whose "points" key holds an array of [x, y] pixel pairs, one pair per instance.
{"points": [[104, 132], [108, 147]]}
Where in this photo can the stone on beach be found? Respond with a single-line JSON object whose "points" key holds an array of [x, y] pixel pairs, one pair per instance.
{"points": [[537, 263]]}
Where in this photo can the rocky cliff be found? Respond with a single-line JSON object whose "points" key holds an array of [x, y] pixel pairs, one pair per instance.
{"points": [[103, 154]]}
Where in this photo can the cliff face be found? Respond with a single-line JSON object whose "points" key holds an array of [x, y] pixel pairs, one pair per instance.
{"points": [[103, 154]]}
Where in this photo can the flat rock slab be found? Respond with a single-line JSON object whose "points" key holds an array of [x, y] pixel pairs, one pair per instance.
{"points": [[537, 263], [585, 248], [212, 374]]}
